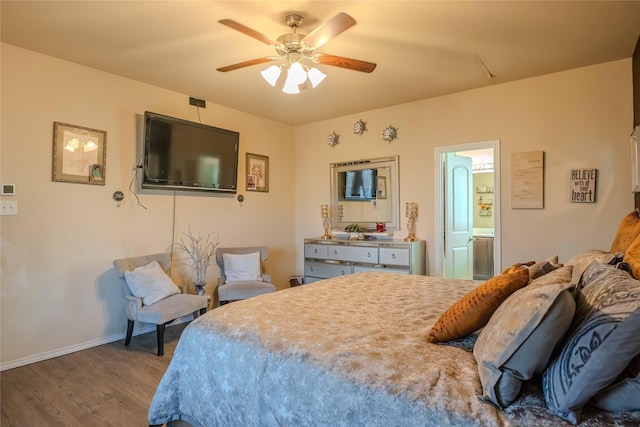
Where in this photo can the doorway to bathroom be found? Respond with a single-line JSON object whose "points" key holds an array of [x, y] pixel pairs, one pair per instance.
{"points": [[468, 210]]}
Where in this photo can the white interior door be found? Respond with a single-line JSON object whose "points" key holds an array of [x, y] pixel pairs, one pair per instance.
{"points": [[458, 237]]}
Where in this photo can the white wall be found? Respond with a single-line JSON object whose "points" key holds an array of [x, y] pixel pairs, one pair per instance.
{"points": [[579, 118], [59, 290]]}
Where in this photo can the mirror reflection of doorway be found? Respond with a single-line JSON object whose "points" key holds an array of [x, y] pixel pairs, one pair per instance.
{"points": [[468, 214]]}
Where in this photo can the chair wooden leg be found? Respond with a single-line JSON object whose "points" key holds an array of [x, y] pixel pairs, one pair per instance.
{"points": [[129, 332], [160, 336]]}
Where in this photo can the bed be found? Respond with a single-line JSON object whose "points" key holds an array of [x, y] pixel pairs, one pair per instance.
{"points": [[347, 351]]}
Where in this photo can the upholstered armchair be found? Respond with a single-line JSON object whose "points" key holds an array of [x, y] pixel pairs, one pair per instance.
{"points": [[150, 295], [242, 273]]}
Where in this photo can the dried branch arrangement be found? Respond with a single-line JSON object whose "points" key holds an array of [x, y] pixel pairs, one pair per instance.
{"points": [[199, 250]]}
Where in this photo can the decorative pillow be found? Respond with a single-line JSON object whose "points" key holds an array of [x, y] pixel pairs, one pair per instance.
{"points": [[150, 283], [242, 267], [520, 337], [543, 267], [624, 394], [602, 340], [628, 230], [581, 261], [632, 257], [474, 310]]}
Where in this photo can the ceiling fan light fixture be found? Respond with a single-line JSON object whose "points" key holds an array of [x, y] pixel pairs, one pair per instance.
{"points": [[271, 74], [316, 76], [290, 85], [297, 73]]}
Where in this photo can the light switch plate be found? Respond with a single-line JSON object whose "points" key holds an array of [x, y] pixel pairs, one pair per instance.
{"points": [[8, 207]]}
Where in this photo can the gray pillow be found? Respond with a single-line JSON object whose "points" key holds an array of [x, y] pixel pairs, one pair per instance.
{"points": [[601, 342], [623, 396], [520, 337], [582, 260]]}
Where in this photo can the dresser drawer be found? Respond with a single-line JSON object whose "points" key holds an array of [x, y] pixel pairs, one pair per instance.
{"points": [[315, 251], [326, 270], [394, 256], [353, 254], [380, 269]]}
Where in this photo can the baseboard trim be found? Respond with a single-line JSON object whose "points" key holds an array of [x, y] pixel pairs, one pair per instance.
{"points": [[83, 346]]}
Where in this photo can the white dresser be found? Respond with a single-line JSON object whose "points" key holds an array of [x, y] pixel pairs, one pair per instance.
{"points": [[329, 258]]}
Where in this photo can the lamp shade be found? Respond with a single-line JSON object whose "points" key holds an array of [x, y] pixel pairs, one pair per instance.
{"points": [[271, 74], [316, 76], [297, 73], [290, 86]]}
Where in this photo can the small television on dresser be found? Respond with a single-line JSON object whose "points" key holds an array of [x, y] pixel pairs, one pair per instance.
{"points": [[184, 155]]}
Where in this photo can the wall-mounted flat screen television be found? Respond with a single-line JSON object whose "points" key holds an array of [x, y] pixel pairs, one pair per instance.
{"points": [[184, 155], [357, 184]]}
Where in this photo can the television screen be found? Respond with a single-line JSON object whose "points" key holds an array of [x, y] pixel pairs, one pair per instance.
{"points": [[358, 184], [184, 155]]}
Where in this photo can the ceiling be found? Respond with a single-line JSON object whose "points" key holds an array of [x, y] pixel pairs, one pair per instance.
{"points": [[423, 49]]}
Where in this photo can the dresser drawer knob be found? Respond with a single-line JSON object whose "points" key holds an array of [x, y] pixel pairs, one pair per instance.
{"points": [[315, 251], [369, 254], [310, 268], [335, 252], [393, 256]]}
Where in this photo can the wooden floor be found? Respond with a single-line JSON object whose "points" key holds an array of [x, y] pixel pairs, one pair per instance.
{"points": [[109, 385]]}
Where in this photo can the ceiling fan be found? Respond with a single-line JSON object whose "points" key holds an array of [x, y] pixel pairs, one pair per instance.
{"points": [[294, 48]]}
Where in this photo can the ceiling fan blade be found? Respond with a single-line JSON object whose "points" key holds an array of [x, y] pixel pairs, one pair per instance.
{"points": [[329, 30], [249, 32], [342, 62], [245, 64]]}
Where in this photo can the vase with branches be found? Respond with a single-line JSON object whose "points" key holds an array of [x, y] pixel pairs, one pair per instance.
{"points": [[199, 250]]}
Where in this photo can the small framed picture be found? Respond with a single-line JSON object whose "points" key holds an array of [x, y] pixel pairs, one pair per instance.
{"points": [[79, 154], [258, 168]]}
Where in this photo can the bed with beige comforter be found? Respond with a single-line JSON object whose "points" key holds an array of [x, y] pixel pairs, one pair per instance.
{"points": [[349, 351]]}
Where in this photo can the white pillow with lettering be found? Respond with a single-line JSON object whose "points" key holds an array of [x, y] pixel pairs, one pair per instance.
{"points": [[241, 267]]}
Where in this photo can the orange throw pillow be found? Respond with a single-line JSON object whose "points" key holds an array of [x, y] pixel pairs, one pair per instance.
{"points": [[632, 257], [628, 230], [474, 310]]}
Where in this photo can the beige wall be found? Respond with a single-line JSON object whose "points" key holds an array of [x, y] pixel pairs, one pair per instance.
{"points": [[579, 118], [59, 290]]}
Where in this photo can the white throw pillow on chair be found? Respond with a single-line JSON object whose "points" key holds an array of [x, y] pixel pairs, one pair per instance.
{"points": [[150, 283], [242, 267]]}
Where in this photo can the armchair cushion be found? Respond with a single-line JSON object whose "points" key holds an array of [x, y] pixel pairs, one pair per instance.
{"points": [[150, 283], [242, 267]]}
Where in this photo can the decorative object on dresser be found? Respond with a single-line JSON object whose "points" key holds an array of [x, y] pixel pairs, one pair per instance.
{"points": [[199, 250], [325, 259], [355, 231], [411, 212], [324, 213]]}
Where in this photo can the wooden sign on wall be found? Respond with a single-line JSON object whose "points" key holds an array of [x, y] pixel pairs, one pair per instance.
{"points": [[582, 185], [527, 180]]}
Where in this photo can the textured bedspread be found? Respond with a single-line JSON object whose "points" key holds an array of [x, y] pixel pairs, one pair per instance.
{"points": [[349, 351]]}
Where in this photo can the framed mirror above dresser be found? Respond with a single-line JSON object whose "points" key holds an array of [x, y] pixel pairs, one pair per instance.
{"points": [[365, 192]]}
